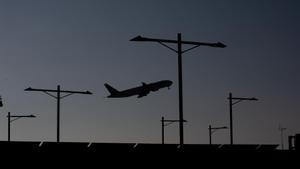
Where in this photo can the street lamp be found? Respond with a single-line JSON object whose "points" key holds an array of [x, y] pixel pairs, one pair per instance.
{"points": [[169, 122], [58, 97], [179, 51], [13, 118], [211, 130], [231, 103]]}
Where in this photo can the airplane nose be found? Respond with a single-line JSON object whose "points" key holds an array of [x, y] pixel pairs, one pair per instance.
{"points": [[169, 84]]}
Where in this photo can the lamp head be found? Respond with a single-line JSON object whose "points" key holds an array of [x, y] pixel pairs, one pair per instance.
{"points": [[28, 89], [220, 45], [138, 38]]}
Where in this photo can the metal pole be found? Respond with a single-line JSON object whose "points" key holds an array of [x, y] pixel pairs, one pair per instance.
{"points": [[162, 130], [281, 138], [58, 113], [209, 131], [8, 122], [179, 51], [230, 110]]}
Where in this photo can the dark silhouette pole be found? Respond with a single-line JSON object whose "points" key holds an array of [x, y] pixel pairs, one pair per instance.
{"points": [[231, 103], [230, 110], [179, 51], [209, 131], [11, 118], [8, 123], [162, 130], [58, 97], [212, 130], [179, 45], [58, 114]]}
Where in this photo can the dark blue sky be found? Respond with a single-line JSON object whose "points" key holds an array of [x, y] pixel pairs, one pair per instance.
{"points": [[82, 44]]}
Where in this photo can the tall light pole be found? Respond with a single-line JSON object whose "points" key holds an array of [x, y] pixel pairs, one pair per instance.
{"points": [[179, 42], [166, 123], [231, 103], [58, 97], [11, 118], [211, 130]]}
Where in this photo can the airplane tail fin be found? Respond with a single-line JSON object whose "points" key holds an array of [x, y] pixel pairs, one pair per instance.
{"points": [[111, 90]]}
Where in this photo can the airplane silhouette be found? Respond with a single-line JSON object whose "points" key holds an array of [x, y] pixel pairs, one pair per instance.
{"points": [[141, 91]]}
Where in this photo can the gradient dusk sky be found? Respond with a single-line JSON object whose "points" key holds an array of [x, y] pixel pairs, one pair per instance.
{"points": [[82, 44]]}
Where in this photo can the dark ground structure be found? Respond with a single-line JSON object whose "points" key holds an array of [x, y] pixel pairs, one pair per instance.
{"points": [[89, 155], [19, 146]]}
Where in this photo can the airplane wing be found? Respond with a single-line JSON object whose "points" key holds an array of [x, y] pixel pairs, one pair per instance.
{"points": [[154, 89], [144, 93]]}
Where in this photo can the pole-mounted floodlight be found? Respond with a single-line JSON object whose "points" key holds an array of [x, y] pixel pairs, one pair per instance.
{"points": [[12, 118], [144, 39], [231, 103], [58, 97], [211, 130], [179, 51], [165, 123]]}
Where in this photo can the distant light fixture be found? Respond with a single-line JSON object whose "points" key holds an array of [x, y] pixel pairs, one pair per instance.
{"points": [[212, 130], [59, 95], [231, 103], [12, 118]]}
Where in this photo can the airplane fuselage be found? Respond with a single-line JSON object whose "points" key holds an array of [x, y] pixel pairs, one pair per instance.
{"points": [[141, 91]]}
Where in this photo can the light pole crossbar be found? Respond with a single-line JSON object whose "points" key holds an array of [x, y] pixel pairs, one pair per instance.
{"points": [[211, 130], [58, 97]]}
